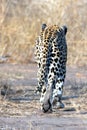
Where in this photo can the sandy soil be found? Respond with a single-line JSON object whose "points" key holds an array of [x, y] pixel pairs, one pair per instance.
{"points": [[20, 107]]}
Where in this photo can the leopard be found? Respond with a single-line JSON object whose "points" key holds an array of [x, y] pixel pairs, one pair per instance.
{"points": [[51, 58]]}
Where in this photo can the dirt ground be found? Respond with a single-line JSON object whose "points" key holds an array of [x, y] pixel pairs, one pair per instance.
{"points": [[20, 107]]}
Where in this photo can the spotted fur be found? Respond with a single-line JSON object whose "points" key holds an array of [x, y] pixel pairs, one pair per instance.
{"points": [[51, 57]]}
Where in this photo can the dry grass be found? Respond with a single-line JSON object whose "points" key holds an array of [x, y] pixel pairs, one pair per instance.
{"points": [[12, 105], [17, 109], [17, 85], [20, 23], [15, 101]]}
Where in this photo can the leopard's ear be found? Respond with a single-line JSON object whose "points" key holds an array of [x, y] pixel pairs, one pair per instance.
{"points": [[43, 26], [65, 29]]}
